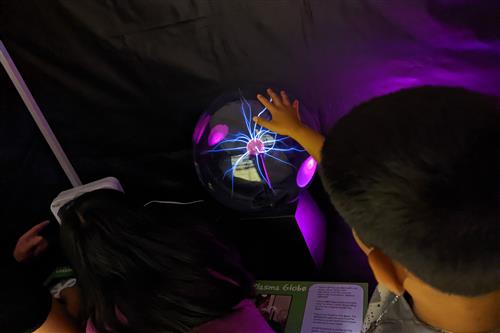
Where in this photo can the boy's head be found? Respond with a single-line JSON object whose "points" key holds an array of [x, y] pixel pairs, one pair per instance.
{"points": [[416, 174]]}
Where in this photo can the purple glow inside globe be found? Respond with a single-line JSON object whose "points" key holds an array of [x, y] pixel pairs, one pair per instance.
{"points": [[306, 172], [217, 134]]}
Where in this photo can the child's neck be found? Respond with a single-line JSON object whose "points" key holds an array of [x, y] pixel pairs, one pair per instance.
{"points": [[457, 314]]}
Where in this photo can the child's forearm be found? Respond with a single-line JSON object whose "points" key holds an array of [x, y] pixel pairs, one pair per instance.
{"points": [[311, 140]]}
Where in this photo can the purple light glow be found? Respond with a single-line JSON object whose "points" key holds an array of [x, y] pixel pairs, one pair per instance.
{"points": [[200, 128], [217, 134], [427, 47], [312, 225], [306, 172]]}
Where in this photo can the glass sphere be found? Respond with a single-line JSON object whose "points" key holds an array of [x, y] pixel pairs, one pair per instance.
{"points": [[243, 165]]}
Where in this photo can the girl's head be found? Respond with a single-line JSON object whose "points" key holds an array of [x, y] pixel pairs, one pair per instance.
{"points": [[163, 275]]}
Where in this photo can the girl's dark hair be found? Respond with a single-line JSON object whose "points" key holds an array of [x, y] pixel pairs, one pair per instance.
{"points": [[162, 275]]}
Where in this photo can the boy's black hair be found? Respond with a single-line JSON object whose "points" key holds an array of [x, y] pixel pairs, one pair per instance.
{"points": [[161, 275], [417, 174]]}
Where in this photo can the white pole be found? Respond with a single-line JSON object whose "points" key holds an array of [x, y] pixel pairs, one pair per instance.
{"points": [[38, 116]]}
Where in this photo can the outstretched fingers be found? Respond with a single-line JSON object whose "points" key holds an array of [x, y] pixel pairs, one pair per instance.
{"points": [[264, 123], [275, 97], [295, 105], [286, 100], [266, 103]]}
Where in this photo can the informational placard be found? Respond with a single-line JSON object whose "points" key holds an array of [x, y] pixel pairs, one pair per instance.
{"points": [[312, 307], [333, 308]]}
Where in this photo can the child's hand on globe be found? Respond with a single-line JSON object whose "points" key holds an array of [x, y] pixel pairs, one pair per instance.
{"points": [[285, 115], [286, 121]]}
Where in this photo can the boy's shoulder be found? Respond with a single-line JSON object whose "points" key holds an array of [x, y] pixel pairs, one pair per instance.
{"points": [[388, 313]]}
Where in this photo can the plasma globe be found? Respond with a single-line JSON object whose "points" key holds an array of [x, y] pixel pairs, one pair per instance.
{"points": [[256, 144], [244, 165]]}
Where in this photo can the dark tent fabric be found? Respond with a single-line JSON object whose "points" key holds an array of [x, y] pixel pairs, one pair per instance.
{"points": [[123, 82]]}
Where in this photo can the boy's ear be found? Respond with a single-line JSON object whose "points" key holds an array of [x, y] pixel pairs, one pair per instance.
{"points": [[364, 247], [386, 272]]}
